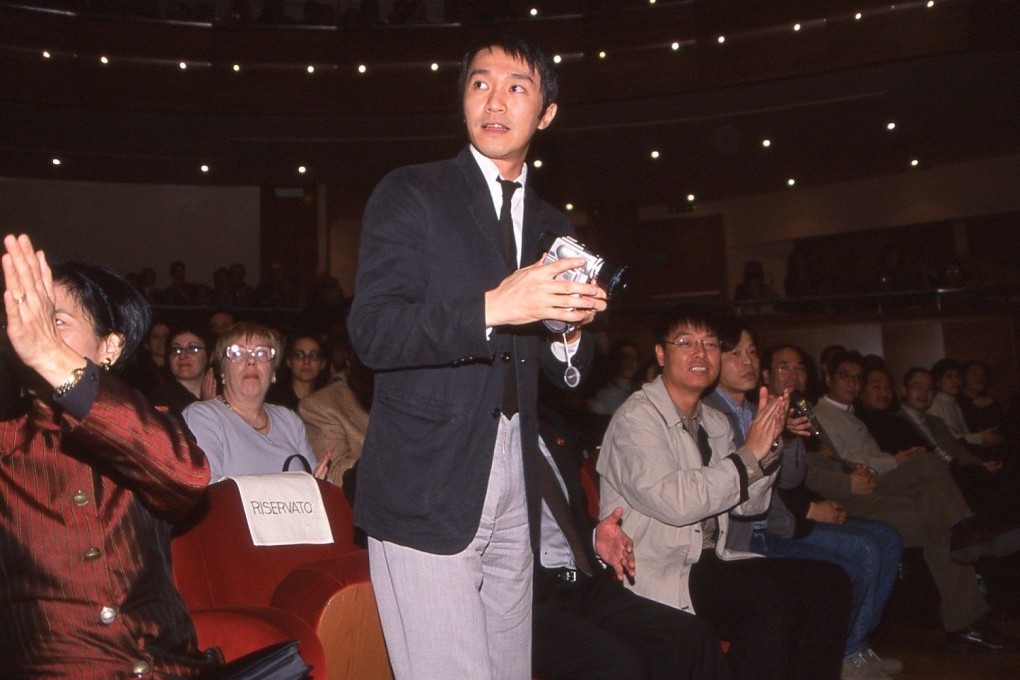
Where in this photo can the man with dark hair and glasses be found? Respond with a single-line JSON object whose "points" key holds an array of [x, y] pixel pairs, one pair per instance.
{"points": [[669, 461]]}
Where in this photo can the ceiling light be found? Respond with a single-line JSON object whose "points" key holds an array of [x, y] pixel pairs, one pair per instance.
{"points": [[857, 17], [790, 182], [602, 55], [675, 46], [46, 54], [537, 163], [302, 169], [435, 66], [796, 27], [569, 207], [557, 58], [651, 2], [690, 198], [766, 143], [104, 60], [534, 11], [204, 168], [183, 65], [931, 3], [362, 68], [311, 69], [914, 163], [237, 67], [891, 125], [654, 154], [55, 161], [721, 39]]}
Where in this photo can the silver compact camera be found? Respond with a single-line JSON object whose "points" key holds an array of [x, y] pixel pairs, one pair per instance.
{"points": [[595, 269]]}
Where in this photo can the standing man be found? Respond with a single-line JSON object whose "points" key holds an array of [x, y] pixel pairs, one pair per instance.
{"points": [[448, 481]]}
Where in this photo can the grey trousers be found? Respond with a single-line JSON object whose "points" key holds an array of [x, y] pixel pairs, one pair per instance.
{"points": [[466, 615]]}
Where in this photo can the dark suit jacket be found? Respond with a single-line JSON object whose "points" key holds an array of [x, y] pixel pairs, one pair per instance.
{"points": [[430, 248]]}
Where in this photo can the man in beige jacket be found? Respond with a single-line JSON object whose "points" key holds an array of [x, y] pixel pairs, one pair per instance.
{"points": [[669, 461]]}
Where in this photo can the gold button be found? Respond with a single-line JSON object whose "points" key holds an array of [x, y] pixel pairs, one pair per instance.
{"points": [[140, 669], [93, 554], [80, 498], [107, 615]]}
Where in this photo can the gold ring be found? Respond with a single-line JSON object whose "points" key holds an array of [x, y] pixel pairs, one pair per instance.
{"points": [[20, 298]]}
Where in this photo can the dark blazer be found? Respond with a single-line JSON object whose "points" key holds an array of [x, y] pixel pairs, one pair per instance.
{"points": [[430, 248]]}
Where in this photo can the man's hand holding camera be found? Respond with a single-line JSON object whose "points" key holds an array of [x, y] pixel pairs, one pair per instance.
{"points": [[533, 293]]}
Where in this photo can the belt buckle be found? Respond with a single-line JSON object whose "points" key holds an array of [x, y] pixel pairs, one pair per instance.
{"points": [[568, 575]]}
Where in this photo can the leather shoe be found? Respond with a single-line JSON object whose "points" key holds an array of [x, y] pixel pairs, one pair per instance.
{"points": [[984, 639]]}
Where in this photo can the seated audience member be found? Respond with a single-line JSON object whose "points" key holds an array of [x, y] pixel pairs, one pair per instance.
{"points": [[305, 363], [180, 293], [220, 321], [810, 527], [148, 370], [92, 478], [669, 462], [981, 411], [946, 373], [624, 360], [239, 432], [916, 495], [587, 626], [193, 377], [337, 418]]}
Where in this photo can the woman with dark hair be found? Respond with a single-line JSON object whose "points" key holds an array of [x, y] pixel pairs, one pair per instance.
{"points": [[948, 381], [93, 477], [187, 355], [303, 372]]}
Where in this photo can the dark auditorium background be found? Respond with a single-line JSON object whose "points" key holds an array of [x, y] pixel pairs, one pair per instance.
{"points": [[693, 136]]}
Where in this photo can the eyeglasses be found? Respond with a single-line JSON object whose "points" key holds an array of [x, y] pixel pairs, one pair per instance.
{"points": [[848, 376], [301, 355], [241, 353], [785, 368], [688, 344], [177, 350]]}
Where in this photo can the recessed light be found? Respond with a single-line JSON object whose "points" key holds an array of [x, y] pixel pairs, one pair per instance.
{"points": [[891, 125], [537, 163], [914, 163], [435, 66], [557, 58], [534, 12], [721, 39], [104, 60], [183, 66], [766, 143], [204, 168], [690, 198], [654, 154], [362, 68], [569, 206], [602, 55], [311, 69], [675, 46], [931, 3], [46, 54], [790, 182], [796, 27], [302, 169], [55, 161], [237, 67], [857, 17]]}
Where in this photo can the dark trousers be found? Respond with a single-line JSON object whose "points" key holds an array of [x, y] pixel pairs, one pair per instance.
{"points": [[786, 619], [595, 629]]}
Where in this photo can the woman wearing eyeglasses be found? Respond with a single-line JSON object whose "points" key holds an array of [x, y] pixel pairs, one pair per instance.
{"points": [[239, 432], [303, 375], [187, 356]]}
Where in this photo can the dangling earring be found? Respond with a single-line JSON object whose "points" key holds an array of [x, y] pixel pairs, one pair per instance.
{"points": [[106, 363], [273, 379]]}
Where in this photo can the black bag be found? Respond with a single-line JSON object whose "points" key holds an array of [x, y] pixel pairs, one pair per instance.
{"points": [[276, 662], [300, 459]]}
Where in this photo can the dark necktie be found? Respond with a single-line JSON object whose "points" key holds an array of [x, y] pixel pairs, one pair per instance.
{"points": [[506, 231], [506, 222], [704, 447], [552, 494]]}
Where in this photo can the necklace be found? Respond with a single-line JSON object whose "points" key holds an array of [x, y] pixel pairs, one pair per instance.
{"points": [[261, 414]]}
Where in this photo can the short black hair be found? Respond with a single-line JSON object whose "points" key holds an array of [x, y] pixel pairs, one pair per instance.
{"points": [[767, 355], [943, 366], [730, 328], [114, 305], [683, 314], [846, 356], [911, 372], [523, 49]]}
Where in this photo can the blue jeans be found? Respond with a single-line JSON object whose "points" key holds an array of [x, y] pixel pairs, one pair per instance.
{"points": [[868, 550]]}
